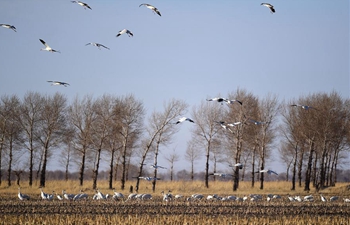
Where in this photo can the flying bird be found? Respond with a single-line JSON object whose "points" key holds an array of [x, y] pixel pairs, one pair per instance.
{"points": [[256, 122], [224, 125], [220, 174], [157, 167], [267, 171], [47, 47], [182, 119], [97, 45], [148, 178], [306, 107], [239, 165], [82, 4], [58, 83], [268, 5], [8, 26], [221, 100], [151, 7], [125, 31]]}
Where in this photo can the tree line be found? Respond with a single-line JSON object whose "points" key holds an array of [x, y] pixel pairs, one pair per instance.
{"points": [[311, 141]]}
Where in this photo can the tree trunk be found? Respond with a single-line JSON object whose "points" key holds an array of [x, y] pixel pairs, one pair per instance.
{"points": [[207, 167], [300, 168], [111, 170], [192, 170], [263, 151], [95, 172], [43, 169], [116, 171], [253, 166], [237, 159], [141, 169], [123, 164], [31, 166], [154, 182], [294, 167], [309, 167], [9, 171], [82, 169], [67, 166]]}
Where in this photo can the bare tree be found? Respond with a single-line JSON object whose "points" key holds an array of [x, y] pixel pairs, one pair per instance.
{"points": [[241, 135], [131, 113], [268, 110], [193, 153], [82, 116], [207, 128], [103, 108], [172, 158], [160, 125], [11, 130], [52, 127], [31, 108], [66, 157]]}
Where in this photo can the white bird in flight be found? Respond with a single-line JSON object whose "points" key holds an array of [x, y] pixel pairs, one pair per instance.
{"points": [[97, 45], [221, 100], [151, 7], [267, 171], [256, 122], [306, 107], [58, 83], [157, 167], [239, 165], [47, 47], [8, 26], [82, 4], [182, 119], [221, 174], [125, 31], [149, 178], [268, 5]]}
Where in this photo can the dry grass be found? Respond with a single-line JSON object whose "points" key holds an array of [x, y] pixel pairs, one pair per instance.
{"points": [[177, 187], [36, 211]]}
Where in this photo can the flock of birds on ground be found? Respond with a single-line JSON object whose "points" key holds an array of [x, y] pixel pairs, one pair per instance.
{"points": [[167, 197], [98, 45]]}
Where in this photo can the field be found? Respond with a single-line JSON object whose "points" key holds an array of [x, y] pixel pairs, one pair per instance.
{"points": [[156, 211]]}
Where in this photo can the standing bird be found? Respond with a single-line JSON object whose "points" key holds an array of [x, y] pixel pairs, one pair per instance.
{"points": [[67, 196], [58, 83], [182, 119], [151, 7], [268, 5], [323, 198], [82, 4], [97, 45], [267, 171], [8, 26], [22, 196], [125, 31], [47, 47]]}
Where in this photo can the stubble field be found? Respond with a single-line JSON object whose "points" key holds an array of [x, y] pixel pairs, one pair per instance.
{"points": [[180, 211]]}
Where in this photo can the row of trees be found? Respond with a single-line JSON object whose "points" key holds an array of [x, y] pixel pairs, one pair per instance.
{"points": [[311, 142]]}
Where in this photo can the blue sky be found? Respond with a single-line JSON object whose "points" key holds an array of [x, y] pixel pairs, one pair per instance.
{"points": [[196, 49]]}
